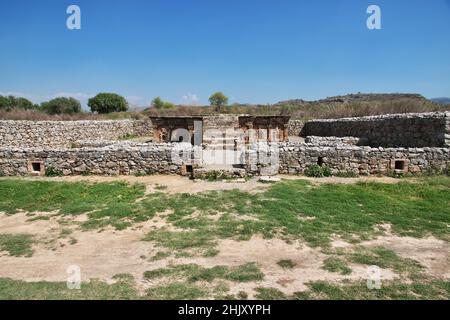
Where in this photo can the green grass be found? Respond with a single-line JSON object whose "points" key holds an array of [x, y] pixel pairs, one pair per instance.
{"points": [[176, 291], [160, 255], [385, 258], [296, 209], [336, 265], [192, 272], [270, 294], [289, 209], [10, 289], [18, 245], [106, 203], [426, 289], [286, 264]]}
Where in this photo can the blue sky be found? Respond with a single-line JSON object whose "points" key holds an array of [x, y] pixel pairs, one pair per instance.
{"points": [[255, 51]]}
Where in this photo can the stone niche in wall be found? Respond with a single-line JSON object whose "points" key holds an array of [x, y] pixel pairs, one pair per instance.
{"points": [[36, 167]]}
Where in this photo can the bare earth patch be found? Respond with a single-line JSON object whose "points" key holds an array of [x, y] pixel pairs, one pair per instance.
{"points": [[432, 253], [103, 254]]}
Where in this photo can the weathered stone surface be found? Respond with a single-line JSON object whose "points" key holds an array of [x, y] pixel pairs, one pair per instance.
{"points": [[87, 147], [68, 133], [430, 129]]}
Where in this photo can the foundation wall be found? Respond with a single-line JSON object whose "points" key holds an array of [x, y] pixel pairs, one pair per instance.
{"points": [[158, 159], [398, 130], [363, 160], [64, 133]]}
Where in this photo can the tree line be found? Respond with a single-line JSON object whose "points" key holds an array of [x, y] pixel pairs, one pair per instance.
{"points": [[101, 103]]}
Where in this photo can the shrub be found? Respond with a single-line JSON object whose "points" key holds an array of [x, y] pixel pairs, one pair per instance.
{"points": [[61, 105], [51, 171], [318, 171], [5, 103], [158, 103], [108, 102], [168, 105], [347, 174], [11, 102]]}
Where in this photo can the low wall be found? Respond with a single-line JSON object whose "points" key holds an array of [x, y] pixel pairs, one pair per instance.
{"points": [[397, 130], [154, 159], [65, 133], [293, 158]]}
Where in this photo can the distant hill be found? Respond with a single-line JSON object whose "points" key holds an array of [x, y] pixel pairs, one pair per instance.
{"points": [[442, 100], [359, 97]]}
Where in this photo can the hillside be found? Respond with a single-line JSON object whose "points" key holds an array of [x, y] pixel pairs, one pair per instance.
{"points": [[359, 97], [442, 100], [351, 105]]}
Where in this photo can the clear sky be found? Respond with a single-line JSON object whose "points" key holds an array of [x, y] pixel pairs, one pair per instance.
{"points": [[255, 51]]}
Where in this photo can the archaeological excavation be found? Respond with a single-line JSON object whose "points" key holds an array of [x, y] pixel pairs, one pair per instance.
{"points": [[236, 145]]}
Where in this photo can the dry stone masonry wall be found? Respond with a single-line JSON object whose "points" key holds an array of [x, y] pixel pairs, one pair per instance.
{"points": [[34, 147], [295, 158], [50, 134], [295, 127], [398, 130], [110, 160]]}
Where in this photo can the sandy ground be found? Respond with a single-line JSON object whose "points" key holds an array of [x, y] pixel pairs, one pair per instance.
{"points": [[102, 255]]}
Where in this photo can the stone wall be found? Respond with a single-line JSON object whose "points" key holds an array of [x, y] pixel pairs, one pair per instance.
{"points": [[64, 133], [222, 121], [28, 147], [334, 141], [295, 127], [295, 158], [398, 130], [150, 159]]}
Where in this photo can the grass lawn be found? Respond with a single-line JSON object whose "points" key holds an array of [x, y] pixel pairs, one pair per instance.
{"points": [[288, 210]]}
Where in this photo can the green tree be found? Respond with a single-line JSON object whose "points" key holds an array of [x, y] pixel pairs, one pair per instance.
{"points": [[61, 105], [5, 103], [218, 100], [158, 103], [168, 105], [12, 102], [108, 102]]}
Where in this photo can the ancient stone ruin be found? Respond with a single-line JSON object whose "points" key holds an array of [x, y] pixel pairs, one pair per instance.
{"points": [[238, 145]]}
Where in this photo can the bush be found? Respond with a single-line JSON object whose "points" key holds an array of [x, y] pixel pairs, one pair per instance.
{"points": [[159, 104], [347, 174], [168, 105], [51, 171], [61, 106], [318, 171], [108, 102], [11, 102]]}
